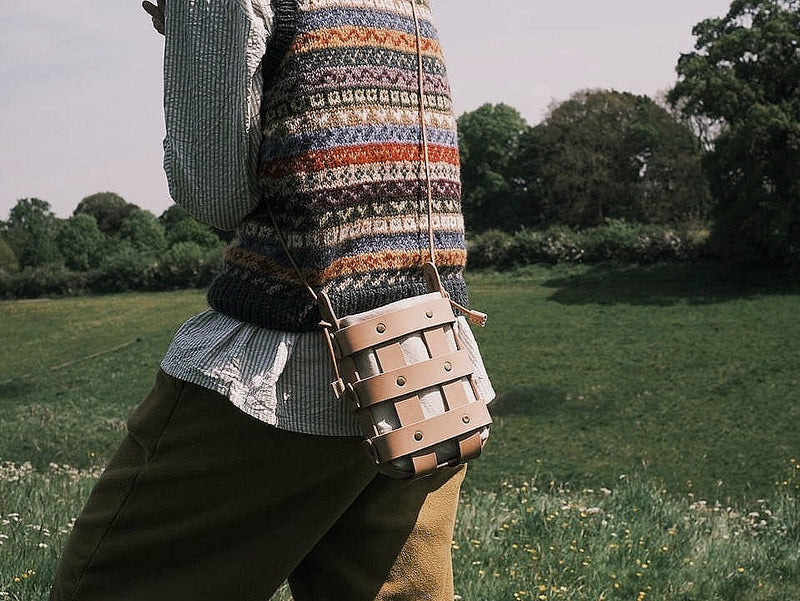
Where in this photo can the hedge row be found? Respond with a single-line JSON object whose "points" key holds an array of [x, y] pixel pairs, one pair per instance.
{"points": [[616, 241], [184, 265], [187, 265]]}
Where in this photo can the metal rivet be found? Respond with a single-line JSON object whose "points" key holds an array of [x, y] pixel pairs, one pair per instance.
{"points": [[448, 366], [429, 314], [465, 419], [381, 328], [401, 381], [418, 436]]}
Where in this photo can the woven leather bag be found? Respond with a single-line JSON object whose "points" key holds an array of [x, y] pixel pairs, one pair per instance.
{"points": [[410, 376], [409, 370]]}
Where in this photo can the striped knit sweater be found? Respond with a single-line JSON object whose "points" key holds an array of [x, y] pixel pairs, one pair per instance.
{"points": [[341, 167]]}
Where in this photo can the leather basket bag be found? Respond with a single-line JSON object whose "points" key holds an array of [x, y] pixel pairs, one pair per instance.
{"points": [[407, 369]]}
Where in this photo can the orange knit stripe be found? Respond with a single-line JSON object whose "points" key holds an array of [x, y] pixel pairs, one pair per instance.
{"points": [[349, 37], [343, 156], [392, 260]]}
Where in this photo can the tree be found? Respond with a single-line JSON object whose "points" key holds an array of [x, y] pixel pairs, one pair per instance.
{"points": [[172, 216], [191, 230], [182, 227], [744, 78], [144, 231], [8, 260], [81, 242], [31, 232], [108, 209], [488, 141], [604, 154]]}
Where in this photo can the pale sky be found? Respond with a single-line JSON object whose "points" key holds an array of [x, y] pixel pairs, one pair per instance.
{"points": [[80, 81]]}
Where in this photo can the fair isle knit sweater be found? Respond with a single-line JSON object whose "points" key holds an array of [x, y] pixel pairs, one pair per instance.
{"points": [[341, 167]]}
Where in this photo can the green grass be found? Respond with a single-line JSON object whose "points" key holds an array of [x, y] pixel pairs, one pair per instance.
{"points": [[668, 388], [37, 511], [58, 405], [635, 542], [667, 372]]}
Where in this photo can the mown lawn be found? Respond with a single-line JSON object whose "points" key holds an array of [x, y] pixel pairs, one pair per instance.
{"points": [[670, 387]]}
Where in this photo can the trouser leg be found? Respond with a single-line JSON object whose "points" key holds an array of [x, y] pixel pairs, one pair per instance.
{"points": [[393, 543], [202, 501]]}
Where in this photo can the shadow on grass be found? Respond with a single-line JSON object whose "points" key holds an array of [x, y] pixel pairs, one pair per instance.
{"points": [[668, 284], [12, 389], [532, 401]]}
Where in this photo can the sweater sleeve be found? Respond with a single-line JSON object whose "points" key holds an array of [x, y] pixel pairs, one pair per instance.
{"points": [[212, 99]]}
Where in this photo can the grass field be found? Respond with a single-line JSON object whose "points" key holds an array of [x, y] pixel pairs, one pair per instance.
{"points": [[646, 426]]}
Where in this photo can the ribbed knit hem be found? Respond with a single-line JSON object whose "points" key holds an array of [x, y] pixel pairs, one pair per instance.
{"points": [[275, 306]]}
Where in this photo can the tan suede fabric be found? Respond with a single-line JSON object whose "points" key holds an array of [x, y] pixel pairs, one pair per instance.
{"points": [[204, 502]]}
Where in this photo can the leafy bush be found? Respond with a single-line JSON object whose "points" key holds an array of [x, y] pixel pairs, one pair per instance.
{"points": [[33, 282], [191, 230], [616, 241], [555, 245], [187, 265], [144, 231], [81, 242], [492, 248], [127, 269]]}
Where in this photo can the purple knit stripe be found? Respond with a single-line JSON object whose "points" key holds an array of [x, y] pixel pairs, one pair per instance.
{"points": [[332, 78], [357, 135]]}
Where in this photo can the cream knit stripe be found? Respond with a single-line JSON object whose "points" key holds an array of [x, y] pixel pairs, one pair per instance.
{"points": [[333, 118], [366, 97], [396, 224], [339, 217]]}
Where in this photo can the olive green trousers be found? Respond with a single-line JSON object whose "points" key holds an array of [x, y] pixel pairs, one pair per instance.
{"points": [[204, 502]]}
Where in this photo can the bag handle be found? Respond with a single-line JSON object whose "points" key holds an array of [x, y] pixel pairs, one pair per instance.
{"points": [[423, 124]]}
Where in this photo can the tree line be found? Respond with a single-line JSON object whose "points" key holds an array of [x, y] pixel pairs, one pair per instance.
{"points": [[107, 245], [722, 147]]}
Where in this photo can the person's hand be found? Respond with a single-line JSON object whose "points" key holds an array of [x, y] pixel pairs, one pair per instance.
{"points": [[157, 13]]}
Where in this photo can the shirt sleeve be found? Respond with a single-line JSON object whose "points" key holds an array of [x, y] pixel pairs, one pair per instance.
{"points": [[212, 100]]}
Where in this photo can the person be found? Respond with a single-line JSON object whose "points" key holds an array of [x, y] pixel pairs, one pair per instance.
{"points": [[241, 469]]}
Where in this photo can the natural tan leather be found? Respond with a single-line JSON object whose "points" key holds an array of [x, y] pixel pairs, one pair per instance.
{"points": [[384, 328], [412, 378], [420, 436]]}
